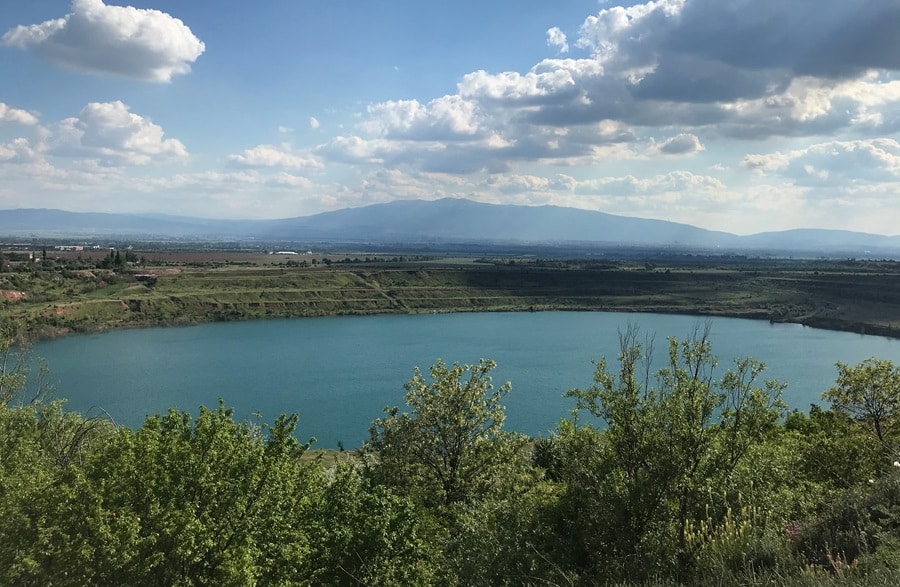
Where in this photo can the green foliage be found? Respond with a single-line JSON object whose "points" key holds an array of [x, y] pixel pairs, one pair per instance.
{"points": [[870, 393], [369, 536], [666, 457], [178, 502], [860, 521], [834, 451], [738, 548], [13, 363], [510, 540], [42, 493], [25, 475], [451, 447], [545, 455], [212, 501]]}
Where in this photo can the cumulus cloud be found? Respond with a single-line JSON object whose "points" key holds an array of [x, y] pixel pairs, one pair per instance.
{"points": [[676, 181], [448, 117], [557, 38], [110, 131], [682, 144], [822, 38], [748, 70], [272, 156], [700, 51], [552, 78], [19, 150], [313, 122], [835, 163], [511, 183], [94, 37], [9, 114], [354, 149]]}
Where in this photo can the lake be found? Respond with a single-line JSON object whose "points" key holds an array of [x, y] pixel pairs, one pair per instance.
{"points": [[339, 373]]}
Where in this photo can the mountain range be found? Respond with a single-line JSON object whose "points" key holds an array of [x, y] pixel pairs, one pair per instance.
{"points": [[447, 220]]}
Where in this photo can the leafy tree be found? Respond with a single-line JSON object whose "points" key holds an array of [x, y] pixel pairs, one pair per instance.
{"points": [[666, 457], [451, 447], [511, 538], [41, 450], [16, 363], [368, 535], [25, 476], [216, 497], [186, 502], [870, 393], [832, 449], [13, 364]]}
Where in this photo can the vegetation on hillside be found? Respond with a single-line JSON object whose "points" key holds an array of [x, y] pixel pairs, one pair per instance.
{"points": [[55, 296], [690, 475]]}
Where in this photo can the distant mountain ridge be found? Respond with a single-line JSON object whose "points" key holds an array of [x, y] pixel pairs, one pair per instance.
{"points": [[447, 220]]}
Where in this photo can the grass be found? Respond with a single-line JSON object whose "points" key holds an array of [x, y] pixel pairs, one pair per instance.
{"points": [[859, 297]]}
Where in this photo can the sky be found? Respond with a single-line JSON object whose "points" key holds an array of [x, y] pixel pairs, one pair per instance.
{"points": [[737, 115]]}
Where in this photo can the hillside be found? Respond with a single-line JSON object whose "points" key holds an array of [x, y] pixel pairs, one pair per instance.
{"points": [[447, 221]]}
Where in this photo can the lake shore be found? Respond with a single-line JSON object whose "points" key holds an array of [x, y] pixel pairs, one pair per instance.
{"points": [[859, 297]]}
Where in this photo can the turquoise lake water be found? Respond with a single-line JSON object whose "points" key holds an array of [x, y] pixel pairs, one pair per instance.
{"points": [[339, 373]]}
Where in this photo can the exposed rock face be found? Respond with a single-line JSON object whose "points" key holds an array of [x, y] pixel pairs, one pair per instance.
{"points": [[11, 295]]}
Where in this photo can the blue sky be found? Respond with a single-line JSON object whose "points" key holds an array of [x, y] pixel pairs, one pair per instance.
{"points": [[737, 115]]}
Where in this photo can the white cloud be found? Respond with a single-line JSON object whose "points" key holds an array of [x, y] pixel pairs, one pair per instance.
{"points": [[822, 38], [109, 131], [548, 78], [513, 183], [677, 181], [8, 114], [272, 156], [668, 63], [19, 151], [839, 164], [122, 40], [354, 149], [663, 65], [447, 118], [613, 126], [291, 181], [681, 144], [557, 38]]}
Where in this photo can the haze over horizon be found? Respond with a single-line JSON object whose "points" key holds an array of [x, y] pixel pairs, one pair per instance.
{"points": [[743, 116]]}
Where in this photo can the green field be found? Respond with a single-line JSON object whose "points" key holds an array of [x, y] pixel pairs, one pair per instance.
{"points": [[858, 296]]}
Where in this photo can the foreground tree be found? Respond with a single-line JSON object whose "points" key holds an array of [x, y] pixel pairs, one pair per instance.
{"points": [[666, 458], [870, 393], [367, 535], [178, 502], [450, 447]]}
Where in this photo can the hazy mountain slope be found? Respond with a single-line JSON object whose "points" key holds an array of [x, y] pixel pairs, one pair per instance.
{"points": [[447, 220], [464, 220], [58, 222], [806, 238]]}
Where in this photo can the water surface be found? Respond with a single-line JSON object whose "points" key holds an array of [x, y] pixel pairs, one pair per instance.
{"points": [[339, 373]]}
